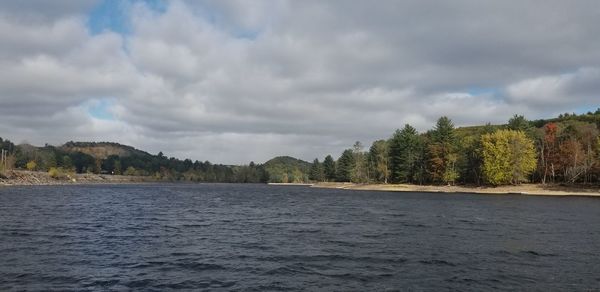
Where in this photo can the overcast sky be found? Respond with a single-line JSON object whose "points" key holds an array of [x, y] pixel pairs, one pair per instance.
{"points": [[235, 81]]}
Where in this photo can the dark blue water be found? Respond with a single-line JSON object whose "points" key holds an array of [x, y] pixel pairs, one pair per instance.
{"points": [[270, 238]]}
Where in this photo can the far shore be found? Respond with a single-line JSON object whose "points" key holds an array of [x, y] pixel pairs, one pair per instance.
{"points": [[36, 178], [39, 178], [523, 189]]}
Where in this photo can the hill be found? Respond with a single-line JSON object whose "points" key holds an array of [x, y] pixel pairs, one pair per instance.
{"points": [[286, 169], [102, 150]]}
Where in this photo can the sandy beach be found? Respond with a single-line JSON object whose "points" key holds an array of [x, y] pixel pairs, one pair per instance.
{"points": [[21, 177], [523, 189]]}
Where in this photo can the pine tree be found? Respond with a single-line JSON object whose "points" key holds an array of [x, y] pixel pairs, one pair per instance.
{"points": [[316, 171], [403, 154], [345, 166], [329, 168], [441, 152], [518, 123]]}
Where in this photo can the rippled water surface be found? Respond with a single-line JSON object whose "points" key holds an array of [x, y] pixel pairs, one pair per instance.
{"points": [[265, 238]]}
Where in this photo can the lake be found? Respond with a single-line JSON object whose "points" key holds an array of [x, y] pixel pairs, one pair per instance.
{"points": [[233, 237]]}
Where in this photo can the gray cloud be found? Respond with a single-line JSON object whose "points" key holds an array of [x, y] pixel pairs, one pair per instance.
{"points": [[234, 81]]}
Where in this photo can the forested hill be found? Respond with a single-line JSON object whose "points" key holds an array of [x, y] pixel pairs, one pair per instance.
{"points": [[115, 158], [565, 149], [287, 169], [102, 150]]}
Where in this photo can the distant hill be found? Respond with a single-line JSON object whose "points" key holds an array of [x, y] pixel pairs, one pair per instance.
{"points": [[286, 169], [102, 150]]}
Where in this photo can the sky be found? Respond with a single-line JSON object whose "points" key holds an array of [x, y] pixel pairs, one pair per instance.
{"points": [[239, 81]]}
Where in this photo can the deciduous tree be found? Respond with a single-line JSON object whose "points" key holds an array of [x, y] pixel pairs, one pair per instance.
{"points": [[378, 161], [508, 157]]}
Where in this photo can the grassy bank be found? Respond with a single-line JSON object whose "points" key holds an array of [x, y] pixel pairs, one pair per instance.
{"points": [[523, 189]]}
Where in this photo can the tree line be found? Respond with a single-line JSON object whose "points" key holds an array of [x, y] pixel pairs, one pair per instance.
{"points": [[561, 150], [565, 149], [59, 162]]}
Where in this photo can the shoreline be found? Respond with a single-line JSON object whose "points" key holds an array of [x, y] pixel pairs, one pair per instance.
{"points": [[523, 189], [40, 178]]}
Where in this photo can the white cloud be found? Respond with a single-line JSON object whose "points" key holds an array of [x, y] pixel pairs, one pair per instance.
{"points": [[234, 81], [580, 87]]}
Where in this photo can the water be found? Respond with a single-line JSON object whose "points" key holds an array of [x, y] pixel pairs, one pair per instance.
{"points": [[270, 238]]}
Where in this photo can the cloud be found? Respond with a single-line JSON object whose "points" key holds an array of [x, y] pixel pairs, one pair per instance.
{"points": [[581, 87], [234, 81]]}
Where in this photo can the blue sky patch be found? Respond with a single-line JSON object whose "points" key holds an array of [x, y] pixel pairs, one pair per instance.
{"points": [[101, 109], [113, 15]]}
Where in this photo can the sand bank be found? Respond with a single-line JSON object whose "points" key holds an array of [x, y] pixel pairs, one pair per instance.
{"points": [[523, 189]]}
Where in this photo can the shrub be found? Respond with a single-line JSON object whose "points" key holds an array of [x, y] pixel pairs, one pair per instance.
{"points": [[130, 171], [59, 173], [31, 165]]}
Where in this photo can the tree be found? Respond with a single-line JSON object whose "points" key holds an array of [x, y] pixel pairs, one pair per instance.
{"points": [[572, 157], [436, 163], [67, 162], [443, 131], [518, 123], [378, 161], [508, 157], [345, 166], [442, 152], [549, 156], [450, 173], [577, 154], [360, 170], [471, 159], [316, 171], [117, 167], [329, 168], [9, 163], [404, 148]]}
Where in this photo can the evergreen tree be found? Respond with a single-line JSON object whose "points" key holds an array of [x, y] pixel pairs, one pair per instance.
{"points": [[518, 123], [345, 166], [316, 171], [443, 131], [329, 168], [403, 154], [441, 152]]}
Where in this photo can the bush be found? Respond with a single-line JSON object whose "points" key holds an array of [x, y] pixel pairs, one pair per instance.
{"points": [[31, 165], [130, 171], [60, 173]]}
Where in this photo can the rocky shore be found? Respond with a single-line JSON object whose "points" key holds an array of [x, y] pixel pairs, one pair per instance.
{"points": [[23, 178]]}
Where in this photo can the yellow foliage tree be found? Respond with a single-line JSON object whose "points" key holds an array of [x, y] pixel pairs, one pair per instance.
{"points": [[508, 157], [31, 165]]}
